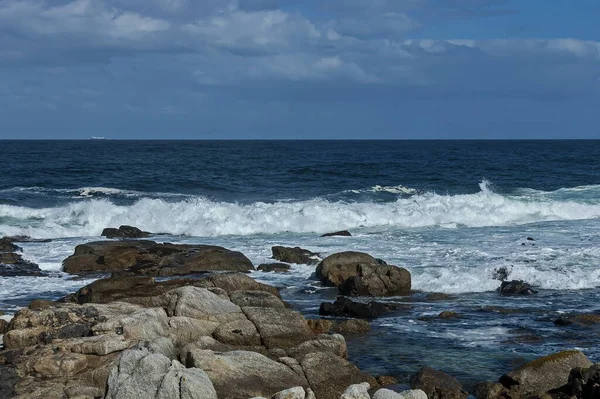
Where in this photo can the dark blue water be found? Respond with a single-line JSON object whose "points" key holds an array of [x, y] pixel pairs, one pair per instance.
{"points": [[249, 171]]}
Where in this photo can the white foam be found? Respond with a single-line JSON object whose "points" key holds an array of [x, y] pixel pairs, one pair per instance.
{"points": [[199, 216]]}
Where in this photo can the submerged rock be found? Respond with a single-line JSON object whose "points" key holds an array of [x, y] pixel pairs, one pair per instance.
{"points": [[124, 232], [516, 287], [295, 255], [13, 264], [345, 307], [359, 274], [342, 233], [274, 267], [152, 259]]}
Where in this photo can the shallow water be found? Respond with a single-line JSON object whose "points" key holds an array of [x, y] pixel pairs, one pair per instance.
{"points": [[450, 212]]}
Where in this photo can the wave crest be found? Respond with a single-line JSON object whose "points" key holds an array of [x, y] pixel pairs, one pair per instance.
{"points": [[199, 216]]}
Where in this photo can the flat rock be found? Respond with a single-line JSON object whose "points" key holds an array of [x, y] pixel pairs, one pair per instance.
{"points": [[345, 307], [151, 259], [243, 374], [341, 233], [124, 232], [279, 328], [295, 255], [274, 267]]}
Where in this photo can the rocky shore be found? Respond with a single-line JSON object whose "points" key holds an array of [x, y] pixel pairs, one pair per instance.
{"points": [[185, 321]]}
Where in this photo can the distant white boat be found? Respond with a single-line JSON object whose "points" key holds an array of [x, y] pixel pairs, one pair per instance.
{"points": [[97, 138]]}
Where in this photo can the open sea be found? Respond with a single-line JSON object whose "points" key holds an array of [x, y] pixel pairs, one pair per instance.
{"points": [[451, 212]]}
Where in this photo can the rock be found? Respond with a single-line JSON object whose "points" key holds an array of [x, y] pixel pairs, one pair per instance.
{"points": [[9, 378], [22, 239], [544, 374], [334, 343], [581, 320], [344, 307], [501, 274], [292, 393], [274, 267], [489, 390], [38, 304], [352, 326], [198, 303], [279, 328], [385, 380], [516, 287], [319, 326], [357, 391], [184, 330], [295, 255], [329, 375], [584, 382], [438, 296], [358, 274], [447, 314], [3, 326], [238, 332], [6, 245], [12, 264], [389, 394], [140, 374], [135, 288], [243, 374], [152, 259], [343, 233], [438, 385], [261, 299], [124, 232], [530, 239]]}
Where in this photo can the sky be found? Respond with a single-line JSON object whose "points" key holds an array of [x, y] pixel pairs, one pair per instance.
{"points": [[299, 69]]}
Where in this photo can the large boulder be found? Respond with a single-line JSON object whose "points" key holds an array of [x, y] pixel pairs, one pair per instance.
{"points": [[295, 255], [124, 232], [243, 374], [329, 375], [358, 274], [152, 259], [544, 374], [438, 385], [279, 328], [140, 374]]}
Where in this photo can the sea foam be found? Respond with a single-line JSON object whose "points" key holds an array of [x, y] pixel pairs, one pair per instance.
{"points": [[199, 216]]}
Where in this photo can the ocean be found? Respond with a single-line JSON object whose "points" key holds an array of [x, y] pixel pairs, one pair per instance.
{"points": [[451, 212]]}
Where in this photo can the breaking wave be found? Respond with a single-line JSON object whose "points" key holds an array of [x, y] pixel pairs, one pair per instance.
{"points": [[199, 216]]}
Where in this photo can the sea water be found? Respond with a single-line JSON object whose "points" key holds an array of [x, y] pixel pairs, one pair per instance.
{"points": [[451, 212]]}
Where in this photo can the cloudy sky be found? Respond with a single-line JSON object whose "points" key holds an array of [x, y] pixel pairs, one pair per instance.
{"points": [[299, 68]]}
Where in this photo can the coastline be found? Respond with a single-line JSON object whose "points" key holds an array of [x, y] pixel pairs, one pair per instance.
{"points": [[244, 315]]}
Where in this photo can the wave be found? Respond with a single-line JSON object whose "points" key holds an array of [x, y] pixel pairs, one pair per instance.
{"points": [[91, 192], [199, 216], [398, 190]]}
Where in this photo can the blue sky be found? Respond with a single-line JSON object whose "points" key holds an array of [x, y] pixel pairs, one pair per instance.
{"points": [[299, 69]]}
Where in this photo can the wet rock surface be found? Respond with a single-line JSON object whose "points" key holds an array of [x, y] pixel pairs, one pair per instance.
{"points": [[295, 255], [359, 274], [124, 232], [149, 258]]}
